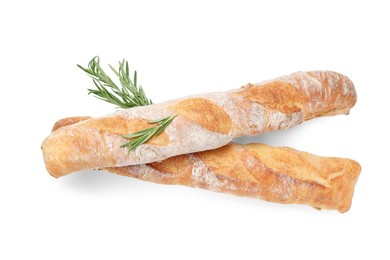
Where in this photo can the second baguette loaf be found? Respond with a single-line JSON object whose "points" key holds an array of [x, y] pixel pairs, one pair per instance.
{"points": [[204, 122], [275, 174]]}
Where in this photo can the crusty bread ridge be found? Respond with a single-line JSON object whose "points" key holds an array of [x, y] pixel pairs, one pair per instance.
{"points": [[275, 174], [204, 122]]}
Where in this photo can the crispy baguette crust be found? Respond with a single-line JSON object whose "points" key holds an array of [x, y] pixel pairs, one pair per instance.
{"points": [[275, 174], [204, 122]]}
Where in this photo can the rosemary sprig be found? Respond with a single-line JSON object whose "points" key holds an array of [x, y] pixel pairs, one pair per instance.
{"points": [[143, 136], [129, 95]]}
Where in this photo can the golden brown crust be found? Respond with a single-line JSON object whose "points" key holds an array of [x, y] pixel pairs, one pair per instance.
{"points": [[56, 159], [276, 95], [292, 163], [231, 166], [177, 169], [245, 171], [337, 94], [205, 113]]}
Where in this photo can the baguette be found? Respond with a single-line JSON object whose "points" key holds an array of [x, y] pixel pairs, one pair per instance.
{"points": [[203, 122], [275, 174]]}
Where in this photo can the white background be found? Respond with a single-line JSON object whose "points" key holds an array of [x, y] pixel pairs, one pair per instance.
{"points": [[179, 49]]}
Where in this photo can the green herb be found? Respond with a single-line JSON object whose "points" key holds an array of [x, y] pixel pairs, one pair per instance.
{"points": [[143, 136], [129, 95]]}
